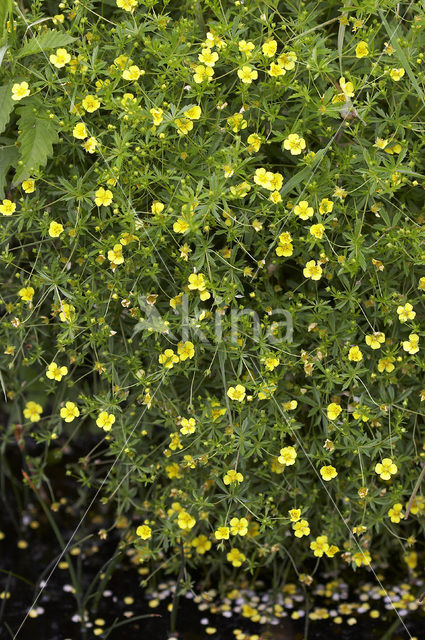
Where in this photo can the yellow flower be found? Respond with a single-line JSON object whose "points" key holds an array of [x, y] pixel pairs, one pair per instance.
{"points": [[239, 526], [143, 531], [157, 207], [411, 345], [237, 122], [313, 271], [133, 73], [55, 229], [103, 197], [33, 411], [208, 57], [254, 142], [188, 426], [56, 372], [317, 230], [396, 513], [355, 355], [105, 420], [275, 70], [333, 549], [285, 247], [320, 546], [236, 557], [203, 73], [185, 350], [180, 226], [397, 74], [28, 185], [380, 143], [385, 469], [91, 103], [326, 206], [421, 283], [247, 74], [156, 114], [20, 90], [232, 476], [386, 364], [173, 471], [333, 411], [69, 412], [362, 49], [222, 533], [168, 358], [90, 145], [127, 5], [287, 60], [287, 456], [294, 143], [26, 294], [269, 48], [174, 302], [80, 131], [60, 58], [263, 178], [115, 255], [201, 544], [194, 113], [411, 559], [294, 514], [271, 363], [66, 312], [185, 520], [246, 47], [196, 282], [237, 393], [346, 87], [328, 473], [406, 312], [275, 182], [303, 210], [375, 340], [301, 528], [362, 558], [7, 207], [184, 125]]}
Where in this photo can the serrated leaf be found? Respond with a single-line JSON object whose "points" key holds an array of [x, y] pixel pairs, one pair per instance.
{"points": [[8, 157], [6, 105], [50, 40], [38, 135]]}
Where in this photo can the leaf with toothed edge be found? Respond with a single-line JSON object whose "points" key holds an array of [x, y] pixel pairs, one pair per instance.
{"points": [[8, 158], [6, 105], [44, 42], [36, 140]]}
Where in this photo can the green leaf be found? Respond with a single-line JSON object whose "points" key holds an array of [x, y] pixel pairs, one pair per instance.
{"points": [[6, 105], [402, 56], [38, 135], [3, 50], [305, 174], [5, 12], [49, 40], [8, 157]]}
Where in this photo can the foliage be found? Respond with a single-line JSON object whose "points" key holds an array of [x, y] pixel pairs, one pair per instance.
{"points": [[169, 169]]}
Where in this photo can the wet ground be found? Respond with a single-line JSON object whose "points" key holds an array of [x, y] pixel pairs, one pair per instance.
{"points": [[112, 604]]}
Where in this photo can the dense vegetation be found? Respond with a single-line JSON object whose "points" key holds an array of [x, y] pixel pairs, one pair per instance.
{"points": [[212, 256]]}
